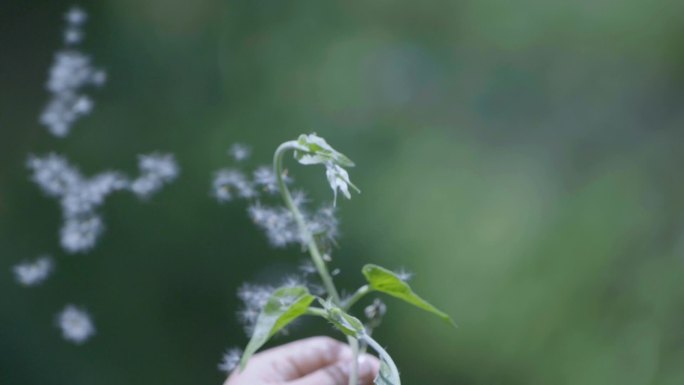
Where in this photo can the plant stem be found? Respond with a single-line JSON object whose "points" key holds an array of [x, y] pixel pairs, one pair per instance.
{"points": [[363, 290], [312, 246], [317, 312], [301, 224]]}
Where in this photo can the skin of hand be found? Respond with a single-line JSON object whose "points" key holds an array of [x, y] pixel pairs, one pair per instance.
{"points": [[312, 361]]}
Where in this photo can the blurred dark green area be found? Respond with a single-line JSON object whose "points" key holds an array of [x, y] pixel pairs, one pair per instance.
{"points": [[522, 158]]}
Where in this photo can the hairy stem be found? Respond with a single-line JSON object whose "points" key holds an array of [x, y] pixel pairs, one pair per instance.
{"points": [[312, 246], [301, 224]]}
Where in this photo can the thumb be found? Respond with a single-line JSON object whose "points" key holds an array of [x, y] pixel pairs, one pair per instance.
{"points": [[338, 373]]}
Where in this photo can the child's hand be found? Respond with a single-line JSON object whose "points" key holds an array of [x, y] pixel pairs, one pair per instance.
{"points": [[313, 361]]}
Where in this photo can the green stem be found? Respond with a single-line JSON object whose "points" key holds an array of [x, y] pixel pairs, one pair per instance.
{"points": [[312, 246], [301, 224], [363, 290], [383, 355], [317, 312]]}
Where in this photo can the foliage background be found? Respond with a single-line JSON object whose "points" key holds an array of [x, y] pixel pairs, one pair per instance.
{"points": [[522, 158]]}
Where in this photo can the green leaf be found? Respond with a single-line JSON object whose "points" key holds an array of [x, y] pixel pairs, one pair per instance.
{"points": [[315, 150], [388, 374], [386, 281], [283, 307]]}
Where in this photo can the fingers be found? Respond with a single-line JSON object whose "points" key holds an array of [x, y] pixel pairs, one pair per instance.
{"points": [[299, 358], [338, 373]]}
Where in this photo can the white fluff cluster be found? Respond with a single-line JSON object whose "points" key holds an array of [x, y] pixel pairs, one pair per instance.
{"points": [[282, 230], [80, 197], [230, 182], [276, 221], [240, 151], [34, 272], [76, 325], [254, 297], [70, 73], [230, 360], [156, 170], [265, 178]]}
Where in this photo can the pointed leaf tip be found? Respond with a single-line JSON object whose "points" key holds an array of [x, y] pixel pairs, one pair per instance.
{"points": [[386, 281]]}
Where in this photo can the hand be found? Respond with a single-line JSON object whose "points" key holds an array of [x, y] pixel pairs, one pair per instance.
{"points": [[313, 361]]}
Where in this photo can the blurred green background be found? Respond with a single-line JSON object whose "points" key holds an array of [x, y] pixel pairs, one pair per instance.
{"points": [[522, 158]]}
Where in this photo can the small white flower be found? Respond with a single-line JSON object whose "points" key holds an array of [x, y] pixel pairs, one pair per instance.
{"points": [[239, 151], [339, 180], [230, 360], [33, 273], [76, 325], [312, 149]]}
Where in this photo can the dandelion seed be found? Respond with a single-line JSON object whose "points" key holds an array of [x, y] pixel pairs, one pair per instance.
{"points": [[53, 174], [76, 325], [292, 281], [72, 36], [156, 170], [228, 181], [277, 222], [33, 273], [70, 73], [266, 179], [98, 78], [254, 298], [299, 198], [404, 275], [374, 312], [83, 198], [230, 360], [76, 16], [240, 151], [80, 234], [324, 225], [307, 267]]}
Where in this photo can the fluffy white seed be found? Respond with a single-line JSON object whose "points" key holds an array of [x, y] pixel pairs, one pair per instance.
{"points": [[34, 272], [239, 151], [75, 324], [230, 360]]}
